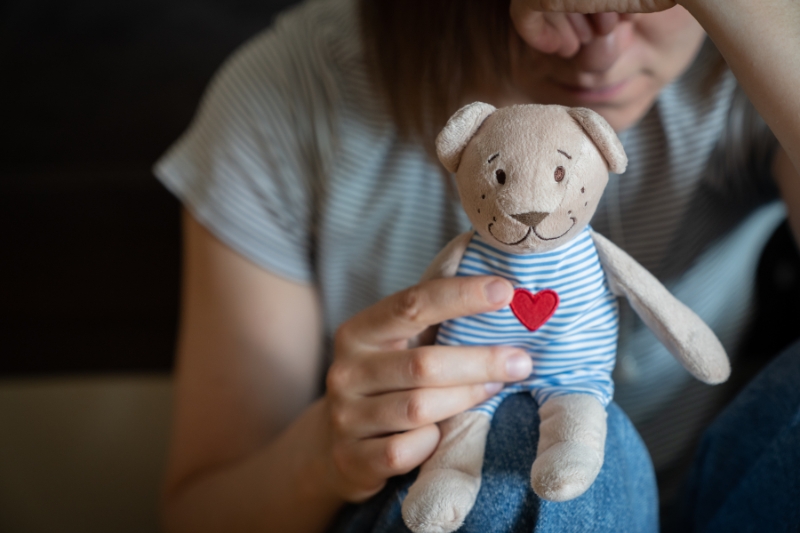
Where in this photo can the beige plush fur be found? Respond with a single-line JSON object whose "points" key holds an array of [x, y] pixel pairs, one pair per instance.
{"points": [[445, 264], [524, 141], [684, 334], [454, 470], [530, 178], [572, 438], [603, 136], [450, 143]]}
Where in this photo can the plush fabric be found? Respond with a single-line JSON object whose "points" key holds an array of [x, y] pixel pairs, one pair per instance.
{"points": [[512, 144], [530, 178], [454, 470], [572, 436], [677, 326]]}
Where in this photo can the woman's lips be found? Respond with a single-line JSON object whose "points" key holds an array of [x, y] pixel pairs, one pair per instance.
{"points": [[594, 95]]}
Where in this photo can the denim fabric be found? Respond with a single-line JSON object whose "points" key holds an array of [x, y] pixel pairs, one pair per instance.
{"points": [[747, 471], [623, 499]]}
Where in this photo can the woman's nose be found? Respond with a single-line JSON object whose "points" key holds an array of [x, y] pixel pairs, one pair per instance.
{"points": [[607, 43]]}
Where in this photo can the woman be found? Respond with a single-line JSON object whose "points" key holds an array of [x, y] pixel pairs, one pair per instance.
{"points": [[312, 199]]}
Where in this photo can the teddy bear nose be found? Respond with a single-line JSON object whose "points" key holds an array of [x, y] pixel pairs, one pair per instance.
{"points": [[531, 218]]}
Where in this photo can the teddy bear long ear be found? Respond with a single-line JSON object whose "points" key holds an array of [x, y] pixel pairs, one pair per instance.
{"points": [[461, 127], [603, 137]]}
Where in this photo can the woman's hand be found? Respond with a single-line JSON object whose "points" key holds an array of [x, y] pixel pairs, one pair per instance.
{"points": [[385, 398], [562, 26]]}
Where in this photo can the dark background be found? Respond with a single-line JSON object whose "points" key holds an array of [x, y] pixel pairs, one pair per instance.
{"points": [[91, 93]]}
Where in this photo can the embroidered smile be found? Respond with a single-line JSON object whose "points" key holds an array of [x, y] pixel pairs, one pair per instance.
{"points": [[509, 243], [573, 219], [532, 230]]}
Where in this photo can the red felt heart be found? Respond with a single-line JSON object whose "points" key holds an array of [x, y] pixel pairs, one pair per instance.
{"points": [[533, 310]]}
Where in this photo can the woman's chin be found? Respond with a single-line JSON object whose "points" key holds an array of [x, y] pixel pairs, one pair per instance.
{"points": [[621, 103]]}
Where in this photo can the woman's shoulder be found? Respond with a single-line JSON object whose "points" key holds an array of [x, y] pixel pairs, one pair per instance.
{"points": [[303, 82]]}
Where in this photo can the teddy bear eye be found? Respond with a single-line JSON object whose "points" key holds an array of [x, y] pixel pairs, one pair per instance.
{"points": [[559, 174], [501, 176]]}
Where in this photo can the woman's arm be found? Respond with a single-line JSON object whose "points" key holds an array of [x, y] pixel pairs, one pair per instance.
{"points": [[248, 365], [788, 179], [252, 450], [760, 41]]}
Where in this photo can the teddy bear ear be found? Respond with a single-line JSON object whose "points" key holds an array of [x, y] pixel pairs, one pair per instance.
{"points": [[461, 127], [603, 136]]}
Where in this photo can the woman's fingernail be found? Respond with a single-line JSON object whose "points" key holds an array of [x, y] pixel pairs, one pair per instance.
{"points": [[497, 291], [518, 366], [493, 388]]}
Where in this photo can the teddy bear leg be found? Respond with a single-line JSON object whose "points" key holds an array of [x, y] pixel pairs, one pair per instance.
{"points": [[572, 437], [448, 482]]}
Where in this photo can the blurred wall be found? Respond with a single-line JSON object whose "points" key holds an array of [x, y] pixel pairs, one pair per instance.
{"points": [[91, 93], [82, 455]]}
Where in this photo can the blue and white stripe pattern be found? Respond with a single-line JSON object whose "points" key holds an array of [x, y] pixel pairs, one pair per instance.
{"points": [[573, 352]]}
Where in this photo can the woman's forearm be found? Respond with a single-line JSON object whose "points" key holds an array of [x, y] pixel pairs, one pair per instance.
{"points": [[281, 488], [760, 41]]}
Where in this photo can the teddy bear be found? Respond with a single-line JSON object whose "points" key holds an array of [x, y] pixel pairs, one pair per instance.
{"points": [[530, 178]]}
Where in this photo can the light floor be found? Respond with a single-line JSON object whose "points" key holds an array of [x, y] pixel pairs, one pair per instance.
{"points": [[82, 454]]}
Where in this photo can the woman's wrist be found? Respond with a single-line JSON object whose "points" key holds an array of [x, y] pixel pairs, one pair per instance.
{"points": [[283, 486], [301, 494], [309, 441]]}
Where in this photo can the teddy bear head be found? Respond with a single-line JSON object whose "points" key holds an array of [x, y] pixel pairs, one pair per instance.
{"points": [[529, 176]]}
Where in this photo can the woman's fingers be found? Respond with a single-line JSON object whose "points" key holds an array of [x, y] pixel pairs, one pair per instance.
{"points": [[385, 399], [428, 366], [395, 319], [366, 464], [581, 26], [405, 410], [549, 33], [561, 31], [562, 26], [593, 6]]}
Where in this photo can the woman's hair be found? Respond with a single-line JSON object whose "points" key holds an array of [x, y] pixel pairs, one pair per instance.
{"points": [[426, 56]]}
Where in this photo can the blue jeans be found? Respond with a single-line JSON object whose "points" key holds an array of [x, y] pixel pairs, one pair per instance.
{"points": [[622, 499], [746, 475]]}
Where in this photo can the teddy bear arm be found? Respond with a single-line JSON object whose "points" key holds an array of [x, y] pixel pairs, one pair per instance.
{"points": [[446, 262], [683, 333]]}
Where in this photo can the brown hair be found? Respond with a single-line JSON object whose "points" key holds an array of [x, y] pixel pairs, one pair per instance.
{"points": [[426, 56]]}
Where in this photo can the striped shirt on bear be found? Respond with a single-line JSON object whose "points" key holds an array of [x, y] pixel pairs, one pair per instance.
{"points": [[573, 351]]}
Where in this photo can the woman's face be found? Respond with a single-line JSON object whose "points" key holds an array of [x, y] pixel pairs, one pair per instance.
{"points": [[618, 74]]}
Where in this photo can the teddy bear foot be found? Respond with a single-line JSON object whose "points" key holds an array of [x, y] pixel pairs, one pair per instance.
{"points": [[440, 500], [448, 483], [565, 471]]}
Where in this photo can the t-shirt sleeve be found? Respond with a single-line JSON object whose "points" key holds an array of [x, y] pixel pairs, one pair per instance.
{"points": [[244, 168]]}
